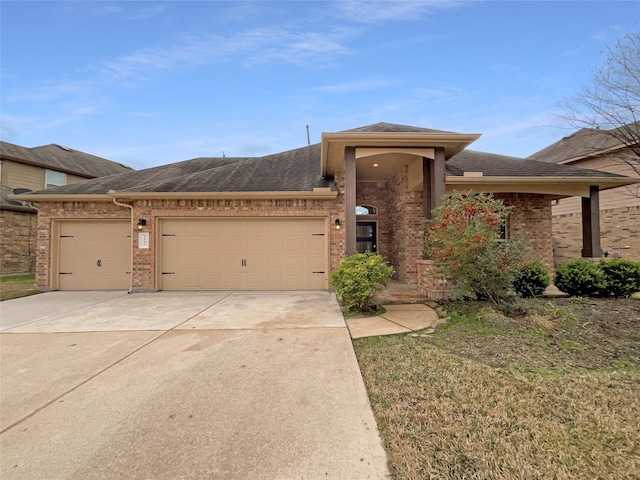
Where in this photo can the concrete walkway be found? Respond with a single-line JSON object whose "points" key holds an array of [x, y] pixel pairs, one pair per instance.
{"points": [[397, 319], [216, 385]]}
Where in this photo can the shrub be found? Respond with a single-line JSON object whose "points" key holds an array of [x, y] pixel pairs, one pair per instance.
{"points": [[622, 277], [531, 280], [462, 240], [357, 279], [580, 278]]}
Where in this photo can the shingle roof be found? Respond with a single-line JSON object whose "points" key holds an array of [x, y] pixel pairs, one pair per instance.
{"points": [[8, 204], [294, 170], [393, 128], [584, 143], [63, 159], [493, 165]]}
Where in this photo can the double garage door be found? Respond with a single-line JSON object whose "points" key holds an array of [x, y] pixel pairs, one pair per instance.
{"points": [[198, 254], [242, 254]]}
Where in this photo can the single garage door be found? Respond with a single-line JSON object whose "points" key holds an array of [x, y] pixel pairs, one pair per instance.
{"points": [[94, 255], [243, 254]]}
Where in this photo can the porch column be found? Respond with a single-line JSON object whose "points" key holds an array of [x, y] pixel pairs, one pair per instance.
{"points": [[426, 187], [437, 185], [350, 199], [591, 224]]}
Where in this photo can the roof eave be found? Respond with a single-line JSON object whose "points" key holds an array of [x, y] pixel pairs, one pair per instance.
{"points": [[453, 143], [559, 186], [316, 193]]}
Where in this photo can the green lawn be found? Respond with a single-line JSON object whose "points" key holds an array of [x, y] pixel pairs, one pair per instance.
{"points": [[554, 394], [16, 286]]}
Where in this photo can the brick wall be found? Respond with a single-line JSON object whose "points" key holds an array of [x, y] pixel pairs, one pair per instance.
{"points": [[17, 241], [406, 237], [530, 221], [143, 273], [377, 194], [619, 234]]}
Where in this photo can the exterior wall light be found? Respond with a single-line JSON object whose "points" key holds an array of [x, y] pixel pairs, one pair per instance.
{"points": [[141, 223], [337, 222]]}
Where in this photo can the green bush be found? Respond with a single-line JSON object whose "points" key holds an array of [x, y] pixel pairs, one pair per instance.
{"points": [[531, 280], [357, 279], [489, 274], [580, 278], [622, 277]]}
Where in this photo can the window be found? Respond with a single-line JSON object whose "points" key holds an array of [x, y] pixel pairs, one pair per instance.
{"points": [[366, 210], [54, 179], [503, 233]]}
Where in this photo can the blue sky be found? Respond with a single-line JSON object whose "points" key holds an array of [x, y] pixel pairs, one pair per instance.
{"points": [[149, 83]]}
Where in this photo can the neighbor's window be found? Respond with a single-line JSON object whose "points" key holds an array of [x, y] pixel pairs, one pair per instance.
{"points": [[366, 210], [54, 179]]}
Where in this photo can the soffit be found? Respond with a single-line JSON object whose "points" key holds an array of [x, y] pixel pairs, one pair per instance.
{"points": [[334, 144]]}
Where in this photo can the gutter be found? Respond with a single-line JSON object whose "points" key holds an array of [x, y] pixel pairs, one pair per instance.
{"points": [[315, 194], [131, 229]]}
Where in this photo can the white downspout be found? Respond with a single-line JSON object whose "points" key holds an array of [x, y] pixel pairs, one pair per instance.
{"points": [[131, 230]]}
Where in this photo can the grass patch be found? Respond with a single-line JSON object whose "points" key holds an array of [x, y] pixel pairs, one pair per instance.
{"points": [[16, 286], [553, 394]]}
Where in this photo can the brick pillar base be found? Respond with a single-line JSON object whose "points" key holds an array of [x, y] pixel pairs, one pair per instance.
{"points": [[431, 281]]}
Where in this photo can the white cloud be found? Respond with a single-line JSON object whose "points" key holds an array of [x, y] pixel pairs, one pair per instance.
{"points": [[262, 45], [356, 86], [389, 10]]}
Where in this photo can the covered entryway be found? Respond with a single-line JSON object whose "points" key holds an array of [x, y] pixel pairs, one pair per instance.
{"points": [[93, 255], [242, 254]]}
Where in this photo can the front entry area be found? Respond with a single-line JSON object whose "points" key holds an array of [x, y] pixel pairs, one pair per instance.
{"points": [[366, 237], [242, 254]]}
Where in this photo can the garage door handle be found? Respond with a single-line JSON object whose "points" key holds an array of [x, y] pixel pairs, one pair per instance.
{"points": [[99, 263], [244, 262], [168, 273], [318, 272]]}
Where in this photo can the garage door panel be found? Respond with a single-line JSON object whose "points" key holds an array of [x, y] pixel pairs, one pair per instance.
{"points": [[251, 254], [94, 255]]}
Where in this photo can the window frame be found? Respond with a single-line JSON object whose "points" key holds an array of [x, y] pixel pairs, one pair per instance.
{"points": [[49, 182]]}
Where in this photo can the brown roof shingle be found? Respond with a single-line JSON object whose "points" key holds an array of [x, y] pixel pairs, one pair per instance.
{"points": [[63, 159]]}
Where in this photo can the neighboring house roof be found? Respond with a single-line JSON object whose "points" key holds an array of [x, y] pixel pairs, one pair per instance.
{"points": [[586, 142], [493, 165], [62, 159], [7, 203]]}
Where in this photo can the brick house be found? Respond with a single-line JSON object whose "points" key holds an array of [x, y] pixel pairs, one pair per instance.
{"points": [[284, 221], [619, 207], [36, 169]]}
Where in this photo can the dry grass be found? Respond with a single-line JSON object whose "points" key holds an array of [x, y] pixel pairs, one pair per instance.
{"points": [[464, 413], [16, 286]]}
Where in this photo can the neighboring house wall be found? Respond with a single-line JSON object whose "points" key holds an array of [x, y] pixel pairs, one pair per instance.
{"points": [[18, 241], [22, 175], [619, 234], [145, 259], [619, 216]]}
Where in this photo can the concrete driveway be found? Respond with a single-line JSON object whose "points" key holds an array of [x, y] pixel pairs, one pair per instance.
{"points": [[216, 385]]}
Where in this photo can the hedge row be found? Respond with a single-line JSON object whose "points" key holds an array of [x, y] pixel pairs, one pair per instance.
{"points": [[607, 278]]}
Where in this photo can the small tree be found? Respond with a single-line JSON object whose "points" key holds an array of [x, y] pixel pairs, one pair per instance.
{"points": [[358, 278], [462, 239], [611, 102]]}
